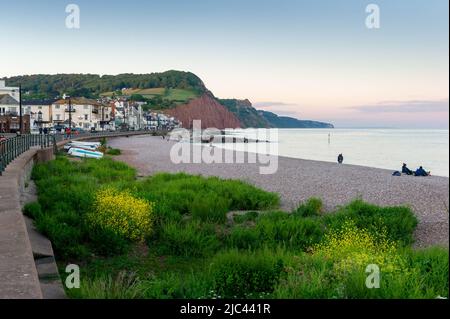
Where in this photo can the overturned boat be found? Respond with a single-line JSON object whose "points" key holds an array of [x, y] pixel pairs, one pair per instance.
{"points": [[87, 145], [84, 152]]}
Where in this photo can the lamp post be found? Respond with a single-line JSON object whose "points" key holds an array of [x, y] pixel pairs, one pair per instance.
{"points": [[70, 116]]}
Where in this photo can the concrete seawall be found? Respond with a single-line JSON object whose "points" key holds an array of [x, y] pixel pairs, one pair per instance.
{"points": [[18, 273]]}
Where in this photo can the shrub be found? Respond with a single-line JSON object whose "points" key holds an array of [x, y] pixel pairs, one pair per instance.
{"points": [[113, 151], [307, 277], [188, 238], [274, 229], [210, 207], [355, 248], [247, 217], [312, 207], [191, 285], [180, 190], [106, 242], [66, 239], [245, 275], [244, 237], [398, 222], [432, 265], [123, 286], [32, 210], [122, 214], [279, 228]]}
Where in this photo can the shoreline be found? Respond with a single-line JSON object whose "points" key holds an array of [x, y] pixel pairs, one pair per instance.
{"points": [[356, 165], [296, 180]]}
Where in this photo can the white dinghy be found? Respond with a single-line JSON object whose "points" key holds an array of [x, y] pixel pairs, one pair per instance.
{"points": [[83, 152]]}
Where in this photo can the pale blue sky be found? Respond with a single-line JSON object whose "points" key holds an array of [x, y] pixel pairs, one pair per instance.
{"points": [[309, 59]]}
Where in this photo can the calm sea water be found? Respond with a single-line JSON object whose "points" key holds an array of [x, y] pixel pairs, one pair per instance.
{"points": [[382, 148]]}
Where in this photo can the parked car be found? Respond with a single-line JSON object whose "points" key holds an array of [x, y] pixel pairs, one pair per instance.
{"points": [[59, 128], [2, 138]]}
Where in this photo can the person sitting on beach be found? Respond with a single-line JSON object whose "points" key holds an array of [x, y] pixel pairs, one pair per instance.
{"points": [[340, 158], [421, 172], [406, 170]]}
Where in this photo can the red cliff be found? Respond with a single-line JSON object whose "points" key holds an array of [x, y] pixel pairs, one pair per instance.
{"points": [[208, 110]]}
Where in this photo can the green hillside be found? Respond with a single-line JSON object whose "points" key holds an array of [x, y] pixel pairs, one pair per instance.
{"points": [[245, 112], [290, 122], [181, 85], [250, 117]]}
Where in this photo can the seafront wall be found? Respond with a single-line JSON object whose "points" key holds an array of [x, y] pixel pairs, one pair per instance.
{"points": [[18, 273], [26, 257]]}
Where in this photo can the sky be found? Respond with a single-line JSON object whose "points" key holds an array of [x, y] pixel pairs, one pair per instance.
{"points": [[310, 59]]}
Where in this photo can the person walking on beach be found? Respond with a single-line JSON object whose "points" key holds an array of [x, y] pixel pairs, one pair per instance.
{"points": [[340, 158]]}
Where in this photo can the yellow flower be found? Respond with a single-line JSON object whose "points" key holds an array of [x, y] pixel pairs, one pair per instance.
{"points": [[353, 248], [122, 213]]}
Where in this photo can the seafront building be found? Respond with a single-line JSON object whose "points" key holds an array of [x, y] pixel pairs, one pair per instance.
{"points": [[86, 114], [128, 114], [11, 91], [9, 115], [39, 112]]}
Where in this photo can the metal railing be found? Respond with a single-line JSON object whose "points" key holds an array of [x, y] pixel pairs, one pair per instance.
{"points": [[13, 147]]}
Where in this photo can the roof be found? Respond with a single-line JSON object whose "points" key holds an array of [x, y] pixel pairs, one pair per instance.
{"points": [[8, 100], [38, 102], [79, 101]]}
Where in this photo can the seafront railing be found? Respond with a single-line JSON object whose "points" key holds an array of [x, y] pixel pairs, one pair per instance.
{"points": [[13, 147]]}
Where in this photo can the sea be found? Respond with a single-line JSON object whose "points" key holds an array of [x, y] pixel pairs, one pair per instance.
{"points": [[380, 148]]}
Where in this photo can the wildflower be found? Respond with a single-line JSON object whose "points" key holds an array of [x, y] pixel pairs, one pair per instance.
{"points": [[122, 213]]}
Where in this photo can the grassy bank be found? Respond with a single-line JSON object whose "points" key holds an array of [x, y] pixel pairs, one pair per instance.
{"points": [[170, 236]]}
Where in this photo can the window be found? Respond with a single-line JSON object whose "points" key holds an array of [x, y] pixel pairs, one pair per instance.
{"points": [[86, 107], [86, 125], [58, 117], [86, 117], [57, 106]]}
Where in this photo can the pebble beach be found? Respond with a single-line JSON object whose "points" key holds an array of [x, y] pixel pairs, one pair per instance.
{"points": [[296, 180]]}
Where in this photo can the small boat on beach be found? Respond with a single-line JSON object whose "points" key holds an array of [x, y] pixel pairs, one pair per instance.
{"points": [[87, 145], [83, 152]]}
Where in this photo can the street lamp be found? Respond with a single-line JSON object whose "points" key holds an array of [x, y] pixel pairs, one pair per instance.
{"points": [[70, 116]]}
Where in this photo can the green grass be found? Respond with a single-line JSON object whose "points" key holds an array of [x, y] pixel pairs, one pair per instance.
{"points": [[175, 95], [195, 251], [113, 151]]}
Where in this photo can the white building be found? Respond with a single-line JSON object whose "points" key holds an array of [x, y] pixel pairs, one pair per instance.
{"points": [[12, 91], [40, 113], [129, 114], [8, 105], [86, 114]]}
